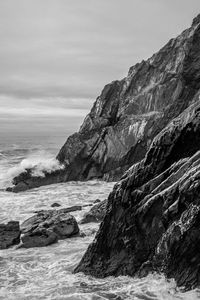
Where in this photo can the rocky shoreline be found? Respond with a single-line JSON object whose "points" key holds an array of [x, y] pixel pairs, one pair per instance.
{"points": [[146, 127], [46, 227]]}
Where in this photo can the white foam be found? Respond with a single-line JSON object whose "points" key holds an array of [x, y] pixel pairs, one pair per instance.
{"points": [[40, 161]]}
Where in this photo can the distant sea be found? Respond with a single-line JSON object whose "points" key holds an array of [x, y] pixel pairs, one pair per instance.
{"points": [[47, 273]]}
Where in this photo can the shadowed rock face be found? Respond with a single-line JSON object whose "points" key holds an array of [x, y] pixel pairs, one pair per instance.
{"points": [[128, 114], [152, 220]]}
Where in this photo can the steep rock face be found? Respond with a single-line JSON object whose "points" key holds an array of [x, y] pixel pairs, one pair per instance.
{"points": [[152, 221], [128, 114]]}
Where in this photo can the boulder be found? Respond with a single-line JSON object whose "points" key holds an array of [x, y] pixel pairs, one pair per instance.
{"points": [[9, 234], [55, 204], [96, 213], [48, 226]]}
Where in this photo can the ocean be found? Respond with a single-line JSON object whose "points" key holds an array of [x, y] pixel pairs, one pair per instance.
{"points": [[47, 273]]}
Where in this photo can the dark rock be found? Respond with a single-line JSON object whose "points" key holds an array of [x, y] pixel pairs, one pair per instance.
{"points": [[97, 201], [152, 220], [96, 213], [55, 204], [39, 237], [128, 114], [47, 227], [9, 234]]}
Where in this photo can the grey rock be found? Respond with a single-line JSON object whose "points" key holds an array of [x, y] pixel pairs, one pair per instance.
{"points": [[55, 204], [9, 234], [152, 220], [96, 213], [48, 226]]}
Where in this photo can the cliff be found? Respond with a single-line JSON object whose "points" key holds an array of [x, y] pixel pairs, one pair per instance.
{"points": [[128, 115], [152, 220]]}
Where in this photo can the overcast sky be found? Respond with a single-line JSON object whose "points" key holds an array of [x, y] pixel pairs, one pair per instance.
{"points": [[56, 55]]}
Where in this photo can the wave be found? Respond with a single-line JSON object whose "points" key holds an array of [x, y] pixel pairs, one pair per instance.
{"points": [[40, 162]]}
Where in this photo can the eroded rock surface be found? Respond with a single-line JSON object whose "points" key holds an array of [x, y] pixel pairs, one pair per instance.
{"points": [[9, 234], [152, 220], [128, 114], [48, 226]]}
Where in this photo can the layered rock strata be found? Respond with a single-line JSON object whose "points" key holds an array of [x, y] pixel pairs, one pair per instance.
{"points": [[152, 220]]}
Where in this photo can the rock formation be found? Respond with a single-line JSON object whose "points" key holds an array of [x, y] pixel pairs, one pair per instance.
{"points": [[128, 115], [9, 234], [152, 220], [48, 226]]}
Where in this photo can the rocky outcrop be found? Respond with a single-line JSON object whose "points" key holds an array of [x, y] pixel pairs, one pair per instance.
{"points": [[96, 213], [128, 114], [48, 226], [9, 234], [152, 220]]}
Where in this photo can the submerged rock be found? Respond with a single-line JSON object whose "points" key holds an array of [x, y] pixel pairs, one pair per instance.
{"points": [[127, 115], [9, 234], [55, 204], [48, 226], [96, 213], [152, 220]]}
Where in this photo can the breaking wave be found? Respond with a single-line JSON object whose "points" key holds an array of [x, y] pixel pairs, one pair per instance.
{"points": [[40, 162]]}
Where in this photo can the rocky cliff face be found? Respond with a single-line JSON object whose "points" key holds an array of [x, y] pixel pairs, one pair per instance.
{"points": [[152, 221], [128, 114]]}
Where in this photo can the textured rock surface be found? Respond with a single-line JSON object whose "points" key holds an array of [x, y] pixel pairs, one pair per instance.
{"points": [[128, 114], [47, 227], [96, 213], [152, 220], [9, 234]]}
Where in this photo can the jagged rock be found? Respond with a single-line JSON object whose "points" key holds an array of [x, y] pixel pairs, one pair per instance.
{"points": [[128, 114], [96, 213], [152, 220], [47, 227], [9, 234]]}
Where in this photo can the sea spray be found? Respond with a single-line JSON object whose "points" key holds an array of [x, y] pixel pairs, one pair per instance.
{"points": [[40, 162]]}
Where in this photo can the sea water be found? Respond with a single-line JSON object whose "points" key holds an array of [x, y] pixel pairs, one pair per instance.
{"points": [[47, 273]]}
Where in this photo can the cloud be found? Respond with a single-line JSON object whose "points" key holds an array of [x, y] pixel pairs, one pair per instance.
{"points": [[56, 55], [51, 107]]}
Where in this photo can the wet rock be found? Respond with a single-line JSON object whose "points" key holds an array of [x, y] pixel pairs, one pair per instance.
{"points": [[128, 114], [39, 237], [48, 226], [97, 201], [55, 204], [152, 220], [96, 213], [9, 234]]}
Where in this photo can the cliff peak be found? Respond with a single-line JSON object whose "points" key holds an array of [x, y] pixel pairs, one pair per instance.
{"points": [[196, 20]]}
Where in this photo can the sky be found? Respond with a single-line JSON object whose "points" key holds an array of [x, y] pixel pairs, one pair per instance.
{"points": [[57, 55]]}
